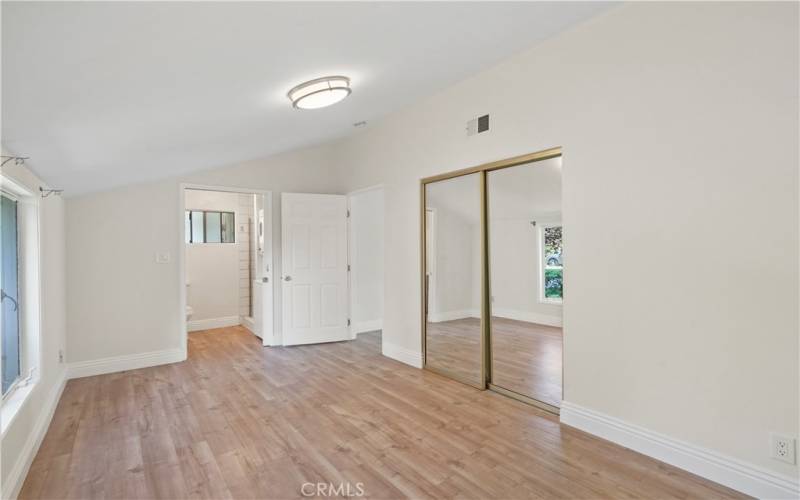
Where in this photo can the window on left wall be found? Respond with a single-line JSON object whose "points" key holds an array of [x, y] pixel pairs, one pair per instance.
{"points": [[206, 226], [21, 292], [9, 294]]}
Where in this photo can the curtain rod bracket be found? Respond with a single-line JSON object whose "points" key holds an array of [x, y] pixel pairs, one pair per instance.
{"points": [[18, 160], [48, 192]]}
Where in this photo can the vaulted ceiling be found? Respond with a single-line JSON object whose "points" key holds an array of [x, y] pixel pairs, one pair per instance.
{"points": [[101, 94]]}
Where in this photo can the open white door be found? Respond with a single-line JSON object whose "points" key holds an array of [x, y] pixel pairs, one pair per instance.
{"points": [[262, 279], [314, 268]]}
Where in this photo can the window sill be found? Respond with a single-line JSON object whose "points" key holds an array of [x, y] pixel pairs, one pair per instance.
{"points": [[12, 404], [551, 302]]}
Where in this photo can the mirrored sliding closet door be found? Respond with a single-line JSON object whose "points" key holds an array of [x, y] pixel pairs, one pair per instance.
{"points": [[453, 278], [493, 277], [526, 270]]}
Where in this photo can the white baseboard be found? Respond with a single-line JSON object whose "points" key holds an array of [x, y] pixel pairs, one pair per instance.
{"points": [[123, 363], [407, 356], [19, 471], [208, 324], [733, 473], [528, 316], [250, 324], [367, 326], [438, 317]]}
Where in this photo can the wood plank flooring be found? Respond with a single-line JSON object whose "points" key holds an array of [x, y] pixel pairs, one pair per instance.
{"points": [[454, 346], [526, 357], [238, 420]]}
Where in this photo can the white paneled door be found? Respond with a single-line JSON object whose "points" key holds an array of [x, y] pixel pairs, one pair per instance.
{"points": [[314, 268]]}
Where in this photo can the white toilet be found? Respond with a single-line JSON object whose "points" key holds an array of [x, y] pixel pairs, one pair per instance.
{"points": [[189, 310]]}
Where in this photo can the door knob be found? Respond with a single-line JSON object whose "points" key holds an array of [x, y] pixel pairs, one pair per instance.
{"points": [[287, 278]]}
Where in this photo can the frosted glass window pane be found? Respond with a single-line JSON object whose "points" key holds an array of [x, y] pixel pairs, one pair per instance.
{"points": [[213, 227], [188, 227], [228, 227], [198, 224]]}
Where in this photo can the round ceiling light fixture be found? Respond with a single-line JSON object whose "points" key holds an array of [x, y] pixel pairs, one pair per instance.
{"points": [[320, 92]]}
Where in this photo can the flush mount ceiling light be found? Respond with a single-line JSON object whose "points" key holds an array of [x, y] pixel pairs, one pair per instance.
{"points": [[320, 92]]}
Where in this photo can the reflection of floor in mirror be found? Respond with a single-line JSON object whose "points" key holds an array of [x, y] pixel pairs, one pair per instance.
{"points": [[526, 357], [455, 346]]}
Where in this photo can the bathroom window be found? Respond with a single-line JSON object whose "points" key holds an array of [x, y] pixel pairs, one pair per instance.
{"points": [[205, 226]]}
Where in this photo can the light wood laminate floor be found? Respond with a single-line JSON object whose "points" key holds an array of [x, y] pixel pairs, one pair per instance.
{"points": [[526, 357], [238, 420]]}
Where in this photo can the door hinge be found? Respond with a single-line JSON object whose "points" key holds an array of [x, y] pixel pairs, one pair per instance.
{"points": [[348, 214], [348, 267], [348, 321]]}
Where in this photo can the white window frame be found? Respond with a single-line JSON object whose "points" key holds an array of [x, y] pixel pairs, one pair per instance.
{"points": [[543, 263], [205, 211], [29, 297]]}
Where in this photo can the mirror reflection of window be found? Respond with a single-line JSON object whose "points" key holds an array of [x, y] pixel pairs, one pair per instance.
{"points": [[553, 268]]}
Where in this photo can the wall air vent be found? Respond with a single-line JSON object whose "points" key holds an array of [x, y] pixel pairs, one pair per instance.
{"points": [[478, 125]]}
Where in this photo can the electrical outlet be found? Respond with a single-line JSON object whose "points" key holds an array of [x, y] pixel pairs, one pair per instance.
{"points": [[783, 448]]}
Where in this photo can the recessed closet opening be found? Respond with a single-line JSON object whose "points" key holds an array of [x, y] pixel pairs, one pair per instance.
{"points": [[493, 277]]}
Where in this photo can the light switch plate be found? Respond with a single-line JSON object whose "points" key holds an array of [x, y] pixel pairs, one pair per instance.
{"points": [[162, 257]]}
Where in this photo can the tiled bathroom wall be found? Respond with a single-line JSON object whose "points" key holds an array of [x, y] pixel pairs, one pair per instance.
{"points": [[244, 227]]}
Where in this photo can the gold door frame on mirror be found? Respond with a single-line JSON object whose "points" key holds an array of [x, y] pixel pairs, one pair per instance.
{"points": [[485, 344]]}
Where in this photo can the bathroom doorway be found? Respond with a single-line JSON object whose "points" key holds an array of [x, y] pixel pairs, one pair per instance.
{"points": [[226, 263]]}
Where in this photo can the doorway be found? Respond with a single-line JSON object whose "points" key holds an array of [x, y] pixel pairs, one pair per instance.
{"points": [[366, 249], [226, 260], [495, 253]]}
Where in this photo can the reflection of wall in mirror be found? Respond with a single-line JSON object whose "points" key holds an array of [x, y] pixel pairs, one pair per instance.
{"points": [[516, 270], [452, 286], [454, 249]]}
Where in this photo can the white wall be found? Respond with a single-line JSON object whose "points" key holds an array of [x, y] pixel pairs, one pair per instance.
{"points": [[679, 128], [212, 269], [120, 301], [454, 279], [366, 258], [20, 436]]}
